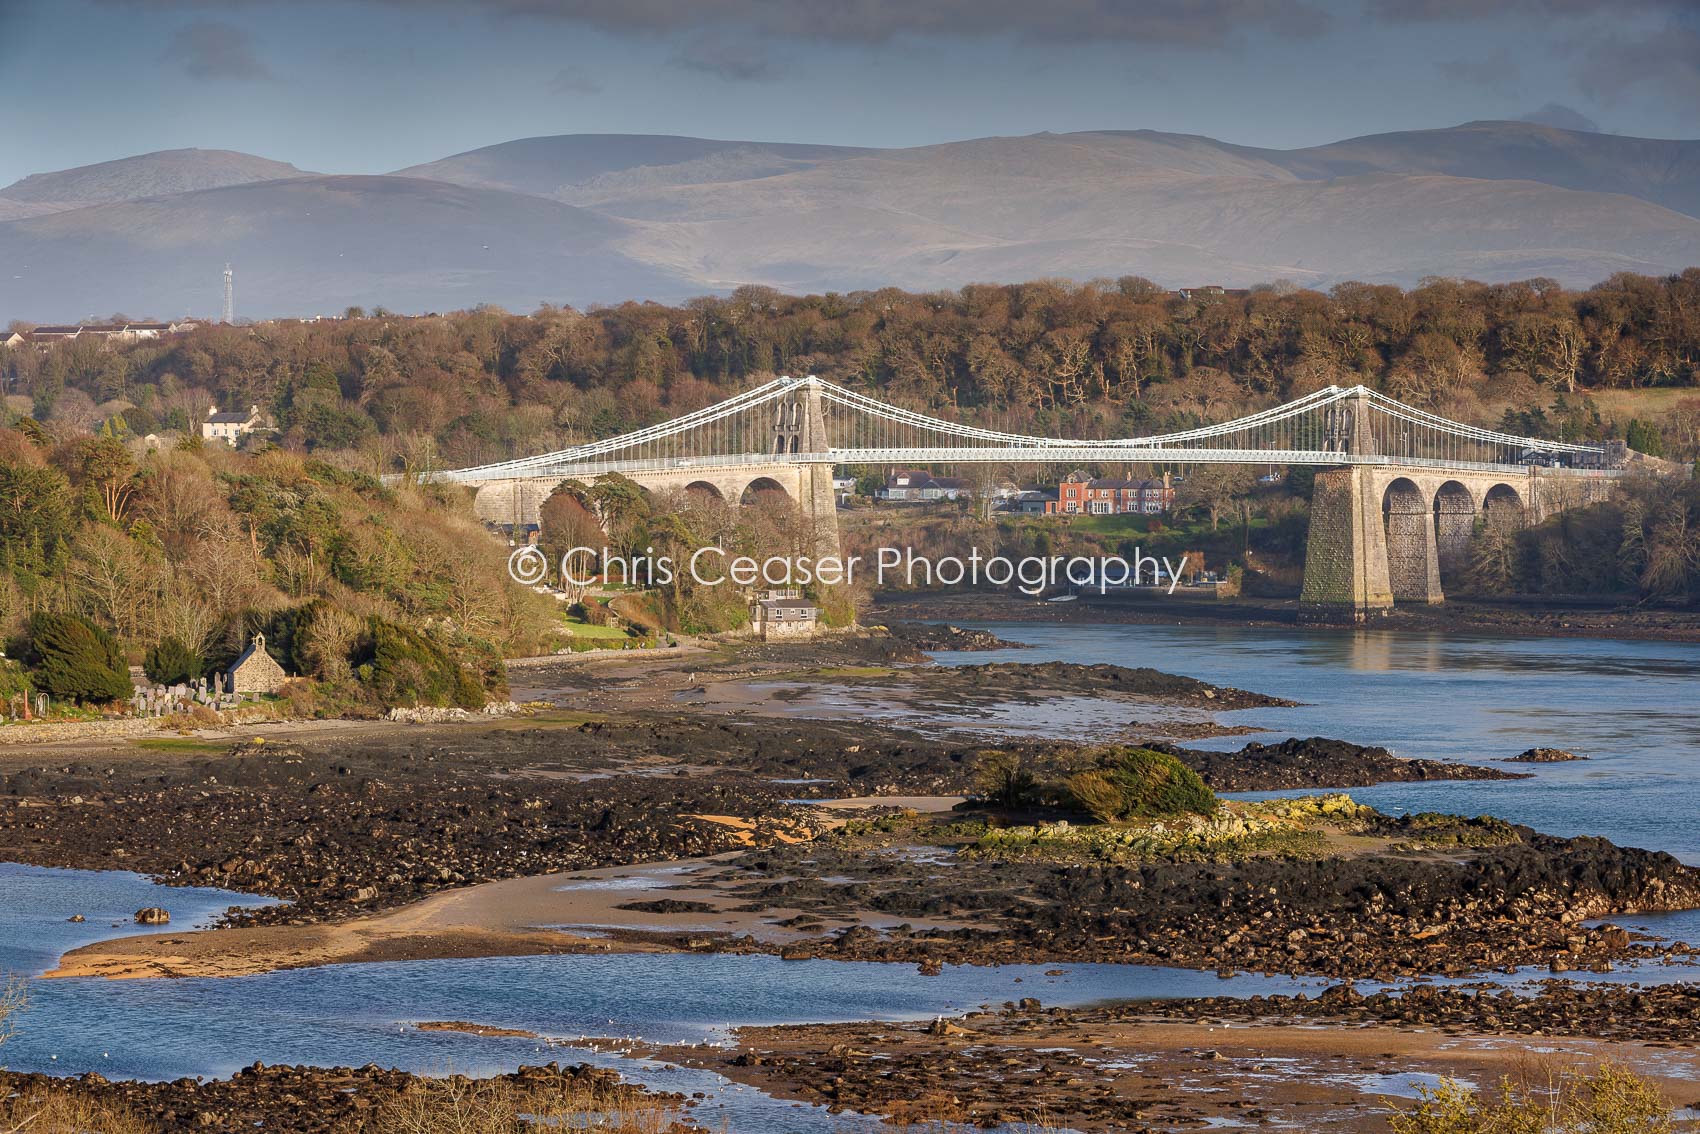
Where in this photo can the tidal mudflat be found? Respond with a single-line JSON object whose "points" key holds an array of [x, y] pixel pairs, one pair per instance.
{"points": [[659, 859]]}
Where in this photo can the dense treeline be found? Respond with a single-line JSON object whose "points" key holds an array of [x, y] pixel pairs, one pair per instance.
{"points": [[172, 559], [1116, 357]]}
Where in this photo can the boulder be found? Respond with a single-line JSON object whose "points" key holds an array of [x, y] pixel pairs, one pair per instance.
{"points": [[152, 915], [1544, 756]]}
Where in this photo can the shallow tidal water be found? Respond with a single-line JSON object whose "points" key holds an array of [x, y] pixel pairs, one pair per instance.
{"points": [[1633, 707], [356, 1014]]}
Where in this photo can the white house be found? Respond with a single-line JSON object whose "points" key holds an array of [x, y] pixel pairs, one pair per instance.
{"points": [[230, 427], [919, 485]]}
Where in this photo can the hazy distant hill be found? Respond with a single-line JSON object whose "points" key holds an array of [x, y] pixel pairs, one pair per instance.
{"points": [[319, 244], [13, 210], [556, 166], [1173, 208], [587, 218], [147, 175], [1664, 172]]}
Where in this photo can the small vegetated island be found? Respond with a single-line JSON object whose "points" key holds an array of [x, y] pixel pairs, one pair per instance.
{"points": [[1126, 854]]}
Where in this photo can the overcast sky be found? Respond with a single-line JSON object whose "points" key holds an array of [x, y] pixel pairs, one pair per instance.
{"points": [[375, 85]]}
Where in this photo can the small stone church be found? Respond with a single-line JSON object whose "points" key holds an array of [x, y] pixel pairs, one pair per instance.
{"points": [[255, 671]]}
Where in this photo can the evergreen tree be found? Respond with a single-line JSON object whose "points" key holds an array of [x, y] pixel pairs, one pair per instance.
{"points": [[169, 662], [72, 659]]}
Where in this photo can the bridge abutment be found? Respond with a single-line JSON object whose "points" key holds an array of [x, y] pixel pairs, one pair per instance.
{"points": [[518, 502], [1383, 533]]}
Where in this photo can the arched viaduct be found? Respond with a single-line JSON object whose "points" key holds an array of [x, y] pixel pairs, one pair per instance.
{"points": [[1387, 533]]}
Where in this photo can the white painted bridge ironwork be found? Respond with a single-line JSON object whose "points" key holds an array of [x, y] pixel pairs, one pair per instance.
{"points": [[812, 421]]}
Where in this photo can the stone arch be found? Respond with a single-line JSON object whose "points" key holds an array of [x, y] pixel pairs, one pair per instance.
{"points": [[704, 490], [762, 486], [1413, 569], [1504, 506], [1454, 522]]}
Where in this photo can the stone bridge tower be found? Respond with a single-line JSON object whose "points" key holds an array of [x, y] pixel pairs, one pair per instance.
{"points": [[1346, 564], [801, 425]]}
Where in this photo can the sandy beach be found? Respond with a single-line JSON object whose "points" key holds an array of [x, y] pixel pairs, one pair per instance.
{"points": [[574, 912]]}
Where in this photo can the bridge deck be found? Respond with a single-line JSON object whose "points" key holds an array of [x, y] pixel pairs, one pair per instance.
{"points": [[1094, 454]]}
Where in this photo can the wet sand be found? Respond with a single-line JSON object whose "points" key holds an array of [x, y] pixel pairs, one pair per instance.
{"points": [[1156, 1074], [570, 912]]}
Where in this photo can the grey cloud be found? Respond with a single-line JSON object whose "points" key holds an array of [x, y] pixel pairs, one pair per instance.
{"points": [[1421, 10], [574, 81], [1195, 23], [1563, 117], [1613, 45], [1498, 72], [213, 49], [1668, 62], [726, 59]]}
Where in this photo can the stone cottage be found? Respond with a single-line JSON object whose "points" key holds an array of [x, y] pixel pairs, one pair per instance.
{"points": [[784, 617], [255, 671]]}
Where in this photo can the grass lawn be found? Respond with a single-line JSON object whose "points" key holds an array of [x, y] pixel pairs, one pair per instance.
{"points": [[586, 630], [1625, 404]]}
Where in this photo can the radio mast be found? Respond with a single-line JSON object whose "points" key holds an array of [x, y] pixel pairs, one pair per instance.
{"points": [[229, 295]]}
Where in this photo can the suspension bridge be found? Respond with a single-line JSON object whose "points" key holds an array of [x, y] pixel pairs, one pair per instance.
{"points": [[1398, 491]]}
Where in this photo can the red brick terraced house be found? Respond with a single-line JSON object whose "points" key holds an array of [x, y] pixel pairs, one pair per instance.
{"points": [[1083, 495]]}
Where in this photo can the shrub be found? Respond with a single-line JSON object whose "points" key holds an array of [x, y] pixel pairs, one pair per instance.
{"points": [[455, 1105], [1095, 794], [400, 666], [1003, 779], [1613, 1100], [1141, 783], [58, 1110], [14, 682], [168, 661], [75, 660]]}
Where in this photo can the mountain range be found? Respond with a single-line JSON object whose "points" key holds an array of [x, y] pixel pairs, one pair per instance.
{"points": [[592, 218]]}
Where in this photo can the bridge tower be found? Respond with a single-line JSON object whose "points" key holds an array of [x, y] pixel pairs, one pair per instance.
{"points": [[1346, 563], [800, 429]]}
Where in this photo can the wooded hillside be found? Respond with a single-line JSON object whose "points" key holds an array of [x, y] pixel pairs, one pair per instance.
{"points": [[1110, 358]]}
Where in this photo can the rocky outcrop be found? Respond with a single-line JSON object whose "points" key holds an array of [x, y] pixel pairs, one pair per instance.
{"points": [[1353, 915], [933, 637], [431, 714], [1661, 1013], [1320, 762], [301, 1100], [1543, 756]]}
